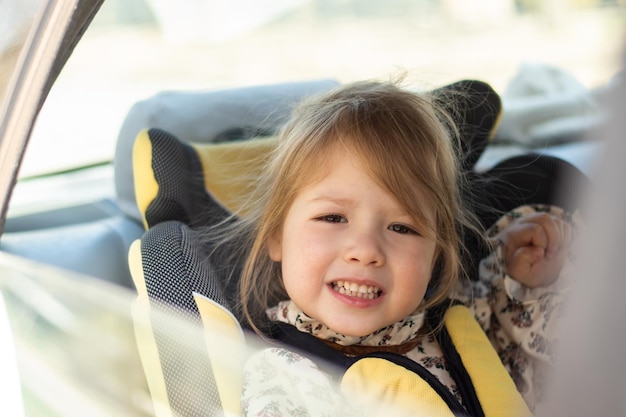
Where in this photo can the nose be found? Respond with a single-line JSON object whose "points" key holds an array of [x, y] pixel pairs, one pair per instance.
{"points": [[365, 248]]}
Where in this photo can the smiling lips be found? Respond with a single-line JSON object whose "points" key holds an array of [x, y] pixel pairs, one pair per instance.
{"points": [[352, 289]]}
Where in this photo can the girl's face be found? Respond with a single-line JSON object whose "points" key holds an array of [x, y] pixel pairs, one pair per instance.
{"points": [[351, 257]]}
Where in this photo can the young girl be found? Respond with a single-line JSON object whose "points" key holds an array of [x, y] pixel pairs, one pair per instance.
{"points": [[356, 253]]}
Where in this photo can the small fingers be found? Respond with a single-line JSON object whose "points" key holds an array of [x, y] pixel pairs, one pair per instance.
{"points": [[529, 266], [549, 232], [520, 264]]}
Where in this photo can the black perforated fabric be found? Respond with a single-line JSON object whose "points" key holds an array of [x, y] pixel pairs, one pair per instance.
{"points": [[174, 268], [182, 195]]}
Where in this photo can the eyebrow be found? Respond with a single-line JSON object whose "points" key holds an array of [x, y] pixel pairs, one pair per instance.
{"points": [[348, 201], [332, 199]]}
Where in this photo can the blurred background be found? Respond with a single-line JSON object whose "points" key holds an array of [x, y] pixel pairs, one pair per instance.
{"points": [[136, 48]]}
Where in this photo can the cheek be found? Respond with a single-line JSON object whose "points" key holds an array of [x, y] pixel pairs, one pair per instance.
{"points": [[420, 262], [305, 256], [304, 239], [300, 276], [301, 254]]}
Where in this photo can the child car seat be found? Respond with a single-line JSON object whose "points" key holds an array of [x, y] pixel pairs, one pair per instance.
{"points": [[175, 188]]}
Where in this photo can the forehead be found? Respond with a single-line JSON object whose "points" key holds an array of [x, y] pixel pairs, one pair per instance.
{"points": [[341, 174], [346, 176], [334, 160]]}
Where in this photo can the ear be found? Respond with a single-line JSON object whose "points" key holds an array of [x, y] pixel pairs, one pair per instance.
{"points": [[275, 249]]}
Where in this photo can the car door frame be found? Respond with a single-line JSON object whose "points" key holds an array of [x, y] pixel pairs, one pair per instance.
{"points": [[56, 30]]}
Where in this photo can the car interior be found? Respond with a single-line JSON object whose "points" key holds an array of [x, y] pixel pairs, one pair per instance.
{"points": [[92, 217]]}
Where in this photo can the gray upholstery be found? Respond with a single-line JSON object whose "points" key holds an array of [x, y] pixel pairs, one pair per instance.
{"points": [[98, 248]]}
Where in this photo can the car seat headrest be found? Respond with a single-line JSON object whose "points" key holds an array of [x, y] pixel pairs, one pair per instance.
{"points": [[206, 117], [188, 182]]}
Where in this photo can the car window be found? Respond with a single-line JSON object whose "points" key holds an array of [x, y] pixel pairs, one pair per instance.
{"points": [[136, 48], [16, 18], [68, 346]]}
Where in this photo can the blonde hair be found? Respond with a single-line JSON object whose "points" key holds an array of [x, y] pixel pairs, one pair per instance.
{"points": [[402, 138]]}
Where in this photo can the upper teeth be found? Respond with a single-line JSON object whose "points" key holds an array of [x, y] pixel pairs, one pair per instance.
{"points": [[355, 290]]}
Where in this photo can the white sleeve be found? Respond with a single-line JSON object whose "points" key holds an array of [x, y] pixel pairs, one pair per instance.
{"points": [[279, 382]]}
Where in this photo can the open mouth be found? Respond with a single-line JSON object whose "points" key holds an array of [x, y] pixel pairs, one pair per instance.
{"points": [[352, 289]]}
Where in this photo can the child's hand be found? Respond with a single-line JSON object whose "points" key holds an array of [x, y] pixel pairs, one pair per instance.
{"points": [[535, 248]]}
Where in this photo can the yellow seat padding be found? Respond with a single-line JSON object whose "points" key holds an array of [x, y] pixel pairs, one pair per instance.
{"points": [[392, 388], [226, 346], [231, 169], [494, 387], [146, 185]]}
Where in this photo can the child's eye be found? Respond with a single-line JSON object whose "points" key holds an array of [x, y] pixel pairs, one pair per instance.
{"points": [[400, 228], [333, 218]]}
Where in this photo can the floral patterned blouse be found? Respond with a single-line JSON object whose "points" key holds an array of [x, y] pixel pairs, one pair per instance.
{"points": [[520, 323]]}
